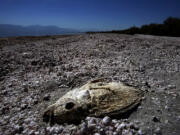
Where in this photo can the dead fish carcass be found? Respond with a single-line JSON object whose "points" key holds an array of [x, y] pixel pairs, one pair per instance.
{"points": [[96, 98]]}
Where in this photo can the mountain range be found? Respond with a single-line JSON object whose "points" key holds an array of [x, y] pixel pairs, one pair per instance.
{"points": [[7, 30]]}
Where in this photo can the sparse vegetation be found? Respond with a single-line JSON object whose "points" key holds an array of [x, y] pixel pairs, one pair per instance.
{"points": [[170, 27]]}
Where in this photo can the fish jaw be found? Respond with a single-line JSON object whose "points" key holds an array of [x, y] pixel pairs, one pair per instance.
{"points": [[65, 110], [48, 115]]}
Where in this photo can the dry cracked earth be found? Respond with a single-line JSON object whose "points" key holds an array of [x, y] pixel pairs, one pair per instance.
{"points": [[36, 71]]}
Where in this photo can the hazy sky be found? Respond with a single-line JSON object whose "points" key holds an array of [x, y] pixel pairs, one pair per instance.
{"points": [[87, 14]]}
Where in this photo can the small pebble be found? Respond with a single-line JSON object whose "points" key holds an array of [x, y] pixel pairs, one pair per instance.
{"points": [[25, 88], [92, 121], [166, 121], [36, 133], [102, 131], [88, 118], [122, 125], [24, 106], [155, 119], [140, 132], [114, 121], [109, 133], [116, 125], [126, 132], [178, 118], [35, 101], [157, 131], [97, 134], [18, 129], [136, 127], [91, 126], [111, 128], [115, 133], [83, 129], [46, 97], [106, 120]]}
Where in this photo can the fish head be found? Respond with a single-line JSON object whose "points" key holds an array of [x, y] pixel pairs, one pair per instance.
{"points": [[65, 110]]}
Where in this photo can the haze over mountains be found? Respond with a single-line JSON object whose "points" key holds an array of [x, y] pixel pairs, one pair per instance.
{"points": [[7, 30]]}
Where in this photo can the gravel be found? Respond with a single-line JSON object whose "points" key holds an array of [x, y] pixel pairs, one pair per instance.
{"points": [[35, 73], [106, 120]]}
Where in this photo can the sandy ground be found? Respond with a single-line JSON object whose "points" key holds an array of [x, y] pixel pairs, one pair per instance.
{"points": [[34, 73]]}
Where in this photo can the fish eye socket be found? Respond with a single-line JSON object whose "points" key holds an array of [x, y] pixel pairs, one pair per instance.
{"points": [[69, 105]]}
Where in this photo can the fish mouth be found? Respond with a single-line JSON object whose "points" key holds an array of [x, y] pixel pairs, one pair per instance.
{"points": [[51, 118], [48, 117]]}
